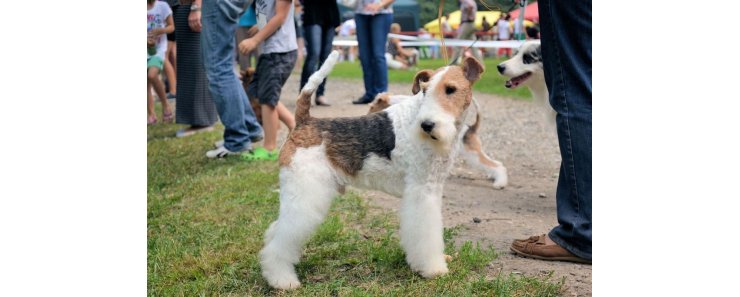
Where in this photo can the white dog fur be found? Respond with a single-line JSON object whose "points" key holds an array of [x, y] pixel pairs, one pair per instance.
{"points": [[388, 151]]}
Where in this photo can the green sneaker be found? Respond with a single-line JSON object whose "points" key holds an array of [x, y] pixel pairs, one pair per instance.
{"points": [[261, 154]]}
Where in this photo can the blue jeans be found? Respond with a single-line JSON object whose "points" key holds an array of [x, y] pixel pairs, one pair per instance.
{"points": [[219, 22], [372, 35], [318, 47], [566, 54]]}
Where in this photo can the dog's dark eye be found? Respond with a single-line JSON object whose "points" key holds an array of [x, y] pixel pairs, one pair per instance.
{"points": [[450, 90], [528, 59]]}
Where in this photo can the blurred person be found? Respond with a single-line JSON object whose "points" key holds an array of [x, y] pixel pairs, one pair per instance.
{"points": [[347, 31], [241, 129], [396, 56], [373, 19], [504, 33], [195, 106], [246, 29], [170, 57], [159, 23], [566, 55], [276, 40], [468, 9], [320, 18]]}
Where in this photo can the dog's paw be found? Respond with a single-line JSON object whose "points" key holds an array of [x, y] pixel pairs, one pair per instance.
{"points": [[435, 268], [286, 283], [499, 184], [432, 273]]}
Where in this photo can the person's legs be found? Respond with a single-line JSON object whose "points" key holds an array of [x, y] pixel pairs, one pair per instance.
{"points": [[566, 52], [467, 31], [169, 68], [327, 37], [469, 34], [393, 63], [232, 104], [156, 83], [379, 28], [312, 34], [285, 116], [151, 115], [364, 43], [274, 70]]}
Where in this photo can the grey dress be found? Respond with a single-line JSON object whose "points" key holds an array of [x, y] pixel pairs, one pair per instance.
{"points": [[194, 102]]}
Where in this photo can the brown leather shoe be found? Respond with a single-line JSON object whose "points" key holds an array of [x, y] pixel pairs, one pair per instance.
{"points": [[535, 247]]}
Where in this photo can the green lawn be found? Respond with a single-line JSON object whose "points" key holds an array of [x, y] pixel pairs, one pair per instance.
{"points": [[491, 82], [206, 218]]}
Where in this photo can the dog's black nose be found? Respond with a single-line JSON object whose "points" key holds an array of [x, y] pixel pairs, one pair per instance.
{"points": [[501, 68], [427, 126]]}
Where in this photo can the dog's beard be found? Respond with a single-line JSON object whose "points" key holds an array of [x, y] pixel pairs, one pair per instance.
{"points": [[444, 133]]}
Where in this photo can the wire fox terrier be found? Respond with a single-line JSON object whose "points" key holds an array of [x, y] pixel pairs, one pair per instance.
{"points": [[472, 150], [526, 69], [406, 150]]}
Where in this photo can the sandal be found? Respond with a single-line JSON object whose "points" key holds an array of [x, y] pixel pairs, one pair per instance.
{"points": [[151, 120], [535, 247], [168, 116], [261, 154]]}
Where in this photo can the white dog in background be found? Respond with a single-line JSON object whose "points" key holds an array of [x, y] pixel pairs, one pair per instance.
{"points": [[526, 69]]}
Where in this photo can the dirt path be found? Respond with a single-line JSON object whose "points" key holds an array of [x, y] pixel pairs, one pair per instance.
{"points": [[513, 132]]}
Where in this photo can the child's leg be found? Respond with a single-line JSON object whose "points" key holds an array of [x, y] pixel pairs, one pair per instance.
{"points": [[149, 102], [169, 68], [270, 124], [285, 116], [153, 78]]}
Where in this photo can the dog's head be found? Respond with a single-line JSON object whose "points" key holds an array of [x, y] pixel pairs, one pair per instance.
{"points": [[525, 67], [447, 93]]}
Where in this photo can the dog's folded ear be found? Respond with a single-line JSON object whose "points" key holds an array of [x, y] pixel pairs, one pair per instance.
{"points": [[472, 69], [421, 77]]}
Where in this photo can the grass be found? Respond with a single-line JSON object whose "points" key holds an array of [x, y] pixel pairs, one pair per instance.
{"points": [[206, 218], [491, 83]]}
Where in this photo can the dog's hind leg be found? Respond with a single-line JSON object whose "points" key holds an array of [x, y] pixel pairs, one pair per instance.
{"points": [[305, 196], [421, 229], [475, 157]]}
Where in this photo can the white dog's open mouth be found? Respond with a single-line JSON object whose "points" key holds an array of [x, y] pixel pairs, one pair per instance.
{"points": [[515, 82]]}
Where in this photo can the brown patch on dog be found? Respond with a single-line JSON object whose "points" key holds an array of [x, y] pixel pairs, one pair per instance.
{"points": [[420, 80], [382, 101], [455, 89], [247, 76], [302, 136], [472, 143]]}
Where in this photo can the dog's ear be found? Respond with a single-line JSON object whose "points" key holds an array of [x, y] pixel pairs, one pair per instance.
{"points": [[421, 77], [472, 69]]}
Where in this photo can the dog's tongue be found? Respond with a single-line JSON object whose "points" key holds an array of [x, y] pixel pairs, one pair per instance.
{"points": [[512, 84]]}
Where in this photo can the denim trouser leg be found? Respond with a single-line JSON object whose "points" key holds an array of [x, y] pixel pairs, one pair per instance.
{"points": [[566, 53], [232, 104], [318, 47], [372, 35]]}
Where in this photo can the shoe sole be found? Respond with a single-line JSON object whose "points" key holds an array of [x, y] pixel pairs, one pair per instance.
{"points": [[193, 132], [567, 259]]}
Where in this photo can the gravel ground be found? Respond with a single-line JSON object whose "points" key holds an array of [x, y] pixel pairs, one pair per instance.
{"points": [[513, 132]]}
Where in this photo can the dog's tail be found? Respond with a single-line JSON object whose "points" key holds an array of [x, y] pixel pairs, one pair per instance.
{"points": [[476, 125], [304, 99]]}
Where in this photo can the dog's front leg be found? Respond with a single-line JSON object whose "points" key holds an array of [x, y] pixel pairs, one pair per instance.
{"points": [[421, 229]]}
